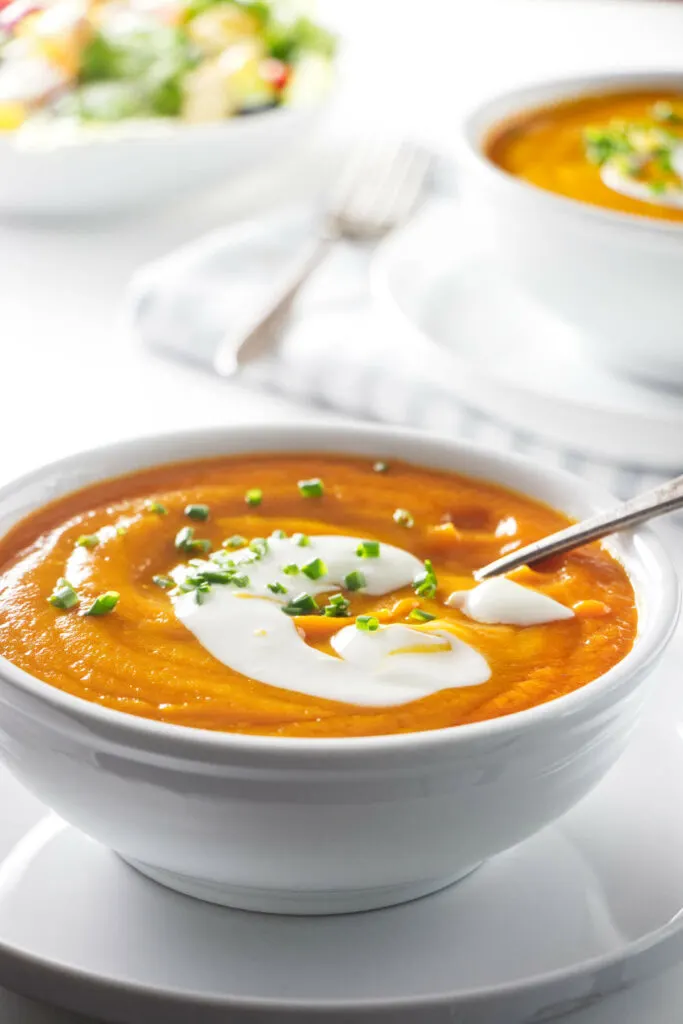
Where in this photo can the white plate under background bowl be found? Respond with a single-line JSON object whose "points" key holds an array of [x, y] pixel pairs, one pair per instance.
{"points": [[502, 354], [126, 166], [587, 908]]}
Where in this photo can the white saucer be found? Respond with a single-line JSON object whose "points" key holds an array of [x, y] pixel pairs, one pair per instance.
{"points": [[508, 358], [584, 910]]}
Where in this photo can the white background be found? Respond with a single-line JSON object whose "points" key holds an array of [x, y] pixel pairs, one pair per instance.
{"points": [[72, 377]]}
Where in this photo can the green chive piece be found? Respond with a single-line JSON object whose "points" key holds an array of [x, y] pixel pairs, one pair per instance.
{"points": [[303, 604], [183, 538], [403, 517], [311, 488], [419, 615], [235, 541], [367, 623], [185, 541], [315, 569], [355, 580], [88, 540], [277, 588], [198, 512], [104, 604], [368, 549], [63, 596], [381, 467], [279, 535], [240, 580], [259, 546], [657, 188], [425, 583], [217, 577], [301, 540], [291, 570], [165, 582], [156, 507], [254, 496], [664, 112], [337, 607]]}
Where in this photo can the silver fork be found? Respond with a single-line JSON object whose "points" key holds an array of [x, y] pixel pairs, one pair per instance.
{"points": [[379, 186]]}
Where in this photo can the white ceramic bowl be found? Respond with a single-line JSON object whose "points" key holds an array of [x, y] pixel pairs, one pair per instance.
{"points": [[328, 825], [123, 167], [613, 275]]}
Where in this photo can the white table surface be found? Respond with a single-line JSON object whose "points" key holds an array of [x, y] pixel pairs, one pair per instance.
{"points": [[70, 375]]}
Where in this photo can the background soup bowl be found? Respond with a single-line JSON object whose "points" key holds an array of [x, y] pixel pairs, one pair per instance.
{"points": [[326, 825], [615, 276]]}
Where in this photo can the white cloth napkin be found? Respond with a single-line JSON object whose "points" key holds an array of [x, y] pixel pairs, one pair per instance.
{"points": [[337, 351]]}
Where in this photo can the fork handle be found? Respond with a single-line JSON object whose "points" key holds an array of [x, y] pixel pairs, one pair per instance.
{"points": [[264, 333]]}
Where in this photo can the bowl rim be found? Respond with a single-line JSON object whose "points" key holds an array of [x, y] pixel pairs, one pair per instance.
{"points": [[480, 119], [344, 440], [164, 130]]}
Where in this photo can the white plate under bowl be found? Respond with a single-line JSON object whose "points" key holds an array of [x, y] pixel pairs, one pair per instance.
{"points": [[506, 356], [562, 923]]}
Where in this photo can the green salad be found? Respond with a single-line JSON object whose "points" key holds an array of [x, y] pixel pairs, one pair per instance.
{"points": [[199, 60]]}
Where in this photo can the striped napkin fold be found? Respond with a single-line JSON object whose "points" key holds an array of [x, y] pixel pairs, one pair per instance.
{"points": [[336, 352]]}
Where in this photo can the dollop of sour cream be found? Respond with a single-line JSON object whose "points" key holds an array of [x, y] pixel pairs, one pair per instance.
{"points": [[616, 177], [246, 629], [502, 602]]}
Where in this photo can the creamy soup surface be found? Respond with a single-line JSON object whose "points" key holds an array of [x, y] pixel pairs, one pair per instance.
{"points": [[305, 595], [620, 150]]}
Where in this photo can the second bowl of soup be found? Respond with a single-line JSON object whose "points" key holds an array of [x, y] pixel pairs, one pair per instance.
{"points": [[258, 667], [576, 187]]}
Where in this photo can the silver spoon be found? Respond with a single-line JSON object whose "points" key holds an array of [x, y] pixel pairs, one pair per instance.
{"points": [[658, 502]]}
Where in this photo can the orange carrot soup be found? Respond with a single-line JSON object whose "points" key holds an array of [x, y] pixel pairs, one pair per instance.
{"points": [[305, 595], [622, 151]]}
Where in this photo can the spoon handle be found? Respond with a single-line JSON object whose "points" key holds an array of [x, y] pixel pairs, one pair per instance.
{"points": [[662, 499]]}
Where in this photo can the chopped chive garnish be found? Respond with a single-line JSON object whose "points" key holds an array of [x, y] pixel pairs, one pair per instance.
{"points": [[235, 541], [63, 596], [198, 512], [425, 583], [212, 576], [277, 588], [303, 604], [337, 607], [185, 541], [291, 570], [103, 604], [200, 594], [254, 496], [259, 546], [657, 188], [240, 580], [156, 507], [663, 111], [88, 540], [403, 517], [354, 580], [367, 623], [311, 488], [301, 540], [368, 549], [418, 615], [381, 467], [315, 569], [165, 582], [279, 535]]}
